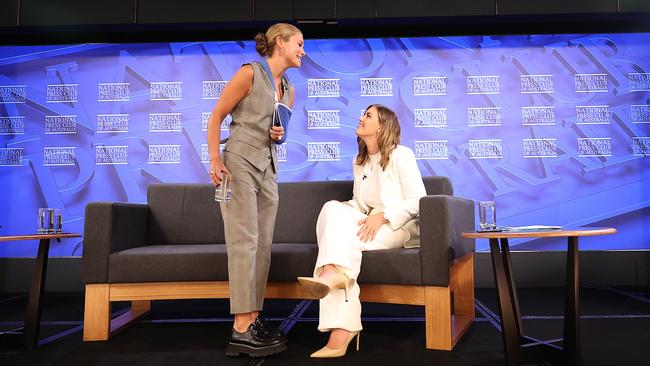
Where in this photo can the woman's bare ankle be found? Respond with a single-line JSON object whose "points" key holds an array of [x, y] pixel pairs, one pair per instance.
{"points": [[327, 270], [242, 322], [337, 338]]}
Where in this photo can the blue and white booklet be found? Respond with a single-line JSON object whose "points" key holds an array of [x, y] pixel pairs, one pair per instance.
{"points": [[281, 112]]}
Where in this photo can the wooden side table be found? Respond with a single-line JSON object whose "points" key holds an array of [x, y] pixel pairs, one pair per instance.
{"points": [[33, 315], [512, 326]]}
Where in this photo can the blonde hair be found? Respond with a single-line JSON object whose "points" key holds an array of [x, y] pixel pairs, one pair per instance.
{"points": [[388, 136], [265, 43]]}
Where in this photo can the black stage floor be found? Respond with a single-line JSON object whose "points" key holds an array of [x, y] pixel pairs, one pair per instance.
{"points": [[615, 330]]}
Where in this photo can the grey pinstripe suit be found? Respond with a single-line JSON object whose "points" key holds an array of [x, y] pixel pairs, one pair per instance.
{"points": [[249, 217]]}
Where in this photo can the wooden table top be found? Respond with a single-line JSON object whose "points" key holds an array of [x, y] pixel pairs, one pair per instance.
{"points": [[39, 236], [582, 231]]}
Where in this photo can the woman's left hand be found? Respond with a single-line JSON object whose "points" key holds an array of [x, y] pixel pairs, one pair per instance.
{"points": [[369, 226]]}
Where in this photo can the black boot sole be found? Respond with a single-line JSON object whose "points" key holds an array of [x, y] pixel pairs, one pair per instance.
{"points": [[235, 350]]}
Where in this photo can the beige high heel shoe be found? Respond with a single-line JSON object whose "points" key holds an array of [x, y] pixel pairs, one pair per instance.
{"points": [[327, 352], [321, 286]]}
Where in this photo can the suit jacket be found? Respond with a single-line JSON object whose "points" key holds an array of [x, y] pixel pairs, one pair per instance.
{"points": [[400, 193]]}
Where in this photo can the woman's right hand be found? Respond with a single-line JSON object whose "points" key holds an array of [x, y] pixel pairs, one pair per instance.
{"points": [[216, 167]]}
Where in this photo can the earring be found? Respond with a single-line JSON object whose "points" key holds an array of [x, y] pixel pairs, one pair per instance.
{"points": [[281, 51]]}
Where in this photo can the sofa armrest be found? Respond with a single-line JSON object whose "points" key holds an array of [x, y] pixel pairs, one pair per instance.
{"points": [[110, 227], [442, 221]]}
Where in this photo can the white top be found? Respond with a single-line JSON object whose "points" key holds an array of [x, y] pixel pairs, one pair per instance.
{"points": [[372, 182], [400, 190]]}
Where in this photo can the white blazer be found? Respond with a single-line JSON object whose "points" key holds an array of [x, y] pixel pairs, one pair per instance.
{"points": [[400, 193]]}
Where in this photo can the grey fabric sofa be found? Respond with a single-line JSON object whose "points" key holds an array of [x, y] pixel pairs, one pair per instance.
{"points": [[173, 248]]}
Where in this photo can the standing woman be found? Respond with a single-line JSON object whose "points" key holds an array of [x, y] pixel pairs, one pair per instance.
{"points": [[249, 159]]}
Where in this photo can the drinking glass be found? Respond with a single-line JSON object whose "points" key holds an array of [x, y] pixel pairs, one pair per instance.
{"points": [[487, 214], [223, 191]]}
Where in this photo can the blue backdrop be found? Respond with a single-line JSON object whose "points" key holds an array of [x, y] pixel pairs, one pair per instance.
{"points": [[554, 128]]}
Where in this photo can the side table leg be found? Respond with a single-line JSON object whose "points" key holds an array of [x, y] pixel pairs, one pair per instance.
{"points": [[572, 305], [509, 321], [33, 316], [507, 264]]}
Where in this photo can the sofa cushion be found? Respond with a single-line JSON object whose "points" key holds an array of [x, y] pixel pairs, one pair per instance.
{"points": [[206, 262], [291, 260], [187, 213], [183, 214], [299, 206], [398, 266]]}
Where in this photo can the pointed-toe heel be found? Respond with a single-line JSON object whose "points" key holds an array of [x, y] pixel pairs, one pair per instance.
{"points": [[316, 286], [321, 286], [327, 352]]}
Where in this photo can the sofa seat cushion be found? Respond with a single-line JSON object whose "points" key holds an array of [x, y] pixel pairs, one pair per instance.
{"points": [[202, 262], [398, 266], [209, 262]]}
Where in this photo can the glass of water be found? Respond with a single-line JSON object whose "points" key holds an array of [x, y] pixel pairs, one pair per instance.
{"points": [[58, 221], [43, 220], [487, 215], [223, 191]]}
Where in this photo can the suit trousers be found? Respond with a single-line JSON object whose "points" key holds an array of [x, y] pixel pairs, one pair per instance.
{"points": [[249, 219], [338, 244]]}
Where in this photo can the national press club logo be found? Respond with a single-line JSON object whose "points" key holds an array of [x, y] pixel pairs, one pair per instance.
{"points": [[485, 149], [323, 151], [594, 147], [483, 84], [12, 125], [165, 122], [430, 117], [484, 116], [113, 92], [538, 116], [530, 84], [376, 87], [166, 90], [431, 150], [640, 113], [205, 153], [59, 156], [164, 154], [590, 83], [282, 152], [641, 146], [212, 89], [112, 123], [61, 93], [205, 117], [328, 88], [592, 114], [639, 81], [10, 94], [430, 85], [111, 155], [12, 156], [56, 125], [540, 148], [323, 119]]}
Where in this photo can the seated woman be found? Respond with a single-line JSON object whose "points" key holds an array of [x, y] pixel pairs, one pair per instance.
{"points": [[381, 215]]}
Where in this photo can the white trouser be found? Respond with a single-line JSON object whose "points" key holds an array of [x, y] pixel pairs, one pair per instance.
{"points": [[338, 244]]}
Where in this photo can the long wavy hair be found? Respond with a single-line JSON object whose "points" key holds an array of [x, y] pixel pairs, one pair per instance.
{"points": [[388, 136]]}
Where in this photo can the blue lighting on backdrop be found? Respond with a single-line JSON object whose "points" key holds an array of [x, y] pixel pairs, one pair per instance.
{"points": [[554, 128]]}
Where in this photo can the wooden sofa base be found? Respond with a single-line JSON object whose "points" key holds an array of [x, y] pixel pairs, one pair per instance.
{"points": [[444, 325]]}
